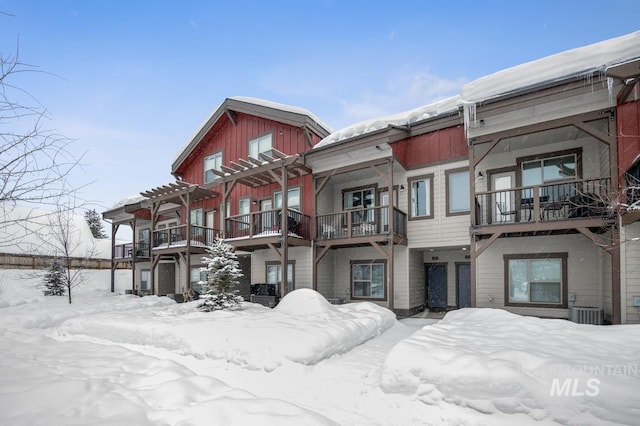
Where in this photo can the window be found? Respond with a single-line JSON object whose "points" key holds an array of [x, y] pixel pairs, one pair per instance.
{"points": [[293, 201], [198, 280], [548, 170], [457, 192], [359, 199], [536, 280], [212, 162], [258, 145], [197, 221], [274, 276], [244, 206], [421, 197], [368, 279], [145, 280]]}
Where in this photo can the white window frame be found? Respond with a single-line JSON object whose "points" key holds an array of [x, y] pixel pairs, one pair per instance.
{"points": [[277, 199], [414, 213], [260, 144], [462, 189], [291, 281], [529, 281], [145, 279], [370, 264], [212, 162]]}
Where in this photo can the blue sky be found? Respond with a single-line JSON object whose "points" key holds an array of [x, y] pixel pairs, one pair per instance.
{"points": [[130, 81]]}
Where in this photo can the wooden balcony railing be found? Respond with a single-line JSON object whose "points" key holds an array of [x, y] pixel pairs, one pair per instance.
{"points": [[177, 236], [360, 222], [126, 251], [267, 223], [541, 203]]}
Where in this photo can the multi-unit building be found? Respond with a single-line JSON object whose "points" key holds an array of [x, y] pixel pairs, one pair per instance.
{"points": [[520, 193]]}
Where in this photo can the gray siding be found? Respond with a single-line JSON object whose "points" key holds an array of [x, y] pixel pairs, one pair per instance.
{"points": [[586, 271]]}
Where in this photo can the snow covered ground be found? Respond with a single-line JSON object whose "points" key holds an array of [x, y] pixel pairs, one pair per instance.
{"points": [[122, 360]]}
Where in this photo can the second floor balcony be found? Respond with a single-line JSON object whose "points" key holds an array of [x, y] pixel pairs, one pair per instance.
{"points": [[129, 250], [359, 225], [257, 229], [573, 200], [175, 238]]}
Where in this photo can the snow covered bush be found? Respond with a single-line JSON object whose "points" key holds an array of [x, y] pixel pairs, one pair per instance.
{"points": [[222, 276], [55, 279]]}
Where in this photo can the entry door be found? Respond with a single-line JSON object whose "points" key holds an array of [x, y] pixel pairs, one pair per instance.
{"points": [[437, 285], [166, 278], [503, 202], [267, 218], [463, 284]]}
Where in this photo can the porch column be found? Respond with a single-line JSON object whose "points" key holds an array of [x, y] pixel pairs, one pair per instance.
{"points": [[154, 260], [114, 229], [188, 250], [391, 225], [284, 231], [134, 249]]}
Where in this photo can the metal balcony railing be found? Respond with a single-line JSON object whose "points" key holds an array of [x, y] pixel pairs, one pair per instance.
{"points": [[177, 236], [586, 198], [360, 222], [267, 223]]}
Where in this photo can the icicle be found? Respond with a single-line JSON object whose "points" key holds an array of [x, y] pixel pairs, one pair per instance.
{"points": [[469, 115], [610, 89]]}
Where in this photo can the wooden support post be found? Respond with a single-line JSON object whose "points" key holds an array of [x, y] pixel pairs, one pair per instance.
{"points": [[390, 236], [114, 230], [284, 231]]}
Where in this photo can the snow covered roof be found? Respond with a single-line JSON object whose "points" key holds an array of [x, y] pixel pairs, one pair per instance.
{"points": [[399, 119], [270, 110], [131, 199], [26, 230], [582, 62]]}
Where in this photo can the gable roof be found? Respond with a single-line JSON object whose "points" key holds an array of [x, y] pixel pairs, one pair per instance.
{"points": [[287, 114]]}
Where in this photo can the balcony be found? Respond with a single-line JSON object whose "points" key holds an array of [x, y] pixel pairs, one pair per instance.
{"points": [[126, 251], [575, 200], [361, 226], [266, 226], [176, 237]]}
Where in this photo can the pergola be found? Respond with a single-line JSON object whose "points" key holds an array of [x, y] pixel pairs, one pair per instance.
{"points": [[273, 166], [183, 194]]}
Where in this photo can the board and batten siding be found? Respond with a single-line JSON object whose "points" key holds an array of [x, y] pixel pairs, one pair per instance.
{"points": [[441, 230], [587, 272]]}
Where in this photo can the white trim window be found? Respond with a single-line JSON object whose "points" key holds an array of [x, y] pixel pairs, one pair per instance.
{"points": [[260, 144], [459, 196], [421, 201], [293, 200], [367, 280], [212, 162], [274, 276]]}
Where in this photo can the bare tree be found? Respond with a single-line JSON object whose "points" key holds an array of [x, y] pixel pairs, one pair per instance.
{"points": [[35, 162], [64, 234]]}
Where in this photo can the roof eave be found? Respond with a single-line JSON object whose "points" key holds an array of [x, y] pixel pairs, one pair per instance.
{"points": [[270, 113]]}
